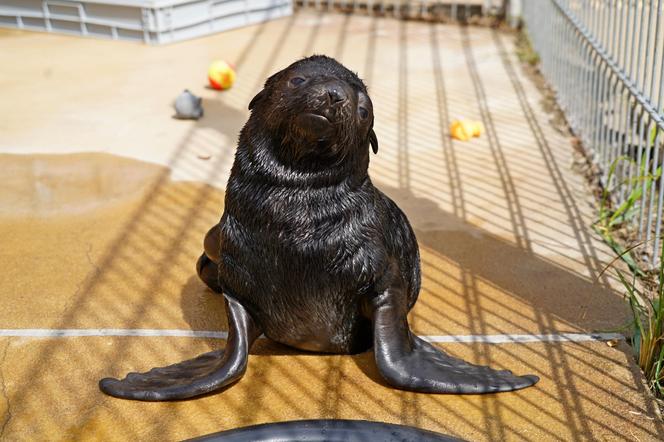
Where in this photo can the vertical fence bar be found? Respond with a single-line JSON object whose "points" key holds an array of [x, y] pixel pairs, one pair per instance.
{"points": [[626, 62], [656, 52]]}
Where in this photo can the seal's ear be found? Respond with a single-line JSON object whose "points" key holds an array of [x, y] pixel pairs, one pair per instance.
{"points": [[259, 96], [373, 140]]}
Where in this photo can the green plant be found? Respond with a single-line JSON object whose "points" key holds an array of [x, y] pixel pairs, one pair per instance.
{"points": [[647, 326], [653, 135], [524, 49], [611, 219]]}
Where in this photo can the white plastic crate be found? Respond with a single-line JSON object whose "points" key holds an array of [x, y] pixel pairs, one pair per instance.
{"points": [[150, 21]]}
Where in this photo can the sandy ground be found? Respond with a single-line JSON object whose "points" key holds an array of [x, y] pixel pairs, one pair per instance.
{"points": [[105, 201]]}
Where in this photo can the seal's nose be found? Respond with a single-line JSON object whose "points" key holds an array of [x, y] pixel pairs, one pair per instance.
{"points": [[336, 94]]}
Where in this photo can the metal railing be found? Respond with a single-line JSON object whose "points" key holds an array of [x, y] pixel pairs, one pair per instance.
{"points": [[437, 10], [605, 59]]}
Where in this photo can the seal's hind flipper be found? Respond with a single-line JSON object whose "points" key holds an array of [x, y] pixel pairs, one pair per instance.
{"points": [[194, 377], [410, 363]]}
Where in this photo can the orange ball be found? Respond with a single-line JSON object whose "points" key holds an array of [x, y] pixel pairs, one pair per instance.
{"points": [[221, 75]]}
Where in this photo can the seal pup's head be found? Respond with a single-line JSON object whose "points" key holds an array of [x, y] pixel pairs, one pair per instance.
{"points": [[315, 110]]}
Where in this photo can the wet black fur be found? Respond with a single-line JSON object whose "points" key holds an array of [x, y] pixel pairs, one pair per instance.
{"points": [[306, 240]]}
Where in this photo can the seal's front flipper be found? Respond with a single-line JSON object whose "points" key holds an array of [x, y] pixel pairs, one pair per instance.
{"points": [[204, 374], [410, 363]]}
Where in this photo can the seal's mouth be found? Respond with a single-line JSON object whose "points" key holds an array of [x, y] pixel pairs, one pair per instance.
{"points": [[315, 126]]}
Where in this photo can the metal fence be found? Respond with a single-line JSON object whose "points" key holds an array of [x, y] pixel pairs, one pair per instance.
{"points": [[605, 60], [439, 10]]}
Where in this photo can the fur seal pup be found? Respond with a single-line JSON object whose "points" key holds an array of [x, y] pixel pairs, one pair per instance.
{"points": [[309, 252]]}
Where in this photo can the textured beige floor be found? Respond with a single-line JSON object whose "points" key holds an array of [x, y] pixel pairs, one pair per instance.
{"points": [[105, 200]]}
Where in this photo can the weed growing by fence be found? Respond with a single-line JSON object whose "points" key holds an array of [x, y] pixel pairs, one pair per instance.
{"points": [[610, 219], [646, 328]]}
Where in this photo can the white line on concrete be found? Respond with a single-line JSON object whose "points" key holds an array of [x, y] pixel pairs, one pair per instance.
{"points": [[144, 332], [502, 339], [75, 332]]}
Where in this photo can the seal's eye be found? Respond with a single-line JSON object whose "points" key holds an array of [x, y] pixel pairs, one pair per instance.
{"points": [[296, 81], [364, 113]]}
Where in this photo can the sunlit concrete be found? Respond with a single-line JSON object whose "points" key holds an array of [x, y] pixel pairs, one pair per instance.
{"points": [[105, 200]]}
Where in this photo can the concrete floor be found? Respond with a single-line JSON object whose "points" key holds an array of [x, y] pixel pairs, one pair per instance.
{"points": [[95, 174]]}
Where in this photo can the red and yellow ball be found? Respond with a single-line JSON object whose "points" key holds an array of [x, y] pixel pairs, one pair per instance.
{"points": [[221, 75]]}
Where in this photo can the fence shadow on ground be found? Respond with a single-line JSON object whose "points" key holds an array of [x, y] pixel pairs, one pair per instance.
{"points": [[494, 261]]}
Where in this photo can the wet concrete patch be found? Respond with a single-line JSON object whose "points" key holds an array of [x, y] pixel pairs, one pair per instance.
{"points": [[111, 243], [51, 185]]}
